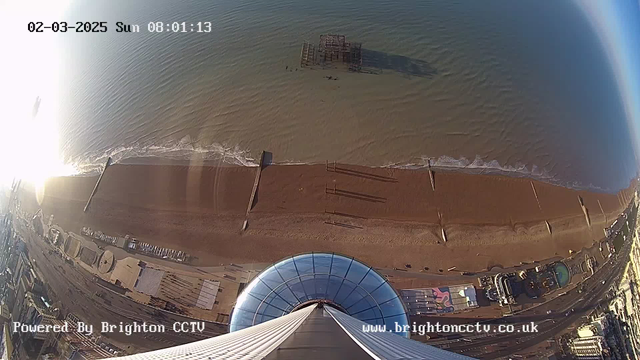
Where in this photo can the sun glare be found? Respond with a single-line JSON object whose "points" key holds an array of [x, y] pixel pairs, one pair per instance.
{"points": [[29, 144]]}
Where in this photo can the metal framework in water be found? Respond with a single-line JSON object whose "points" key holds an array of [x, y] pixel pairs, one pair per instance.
{"points": [[332, 49]]}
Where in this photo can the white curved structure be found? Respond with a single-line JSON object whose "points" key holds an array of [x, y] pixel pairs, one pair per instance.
{"points": [[354, 288], [313, 306], [313, 332]]}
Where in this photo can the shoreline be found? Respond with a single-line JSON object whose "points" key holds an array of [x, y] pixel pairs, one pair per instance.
{"points": [[385, 217], [249, 162]]}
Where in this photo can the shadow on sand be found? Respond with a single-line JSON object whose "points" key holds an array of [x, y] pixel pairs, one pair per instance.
{"points": [[374, 62]]}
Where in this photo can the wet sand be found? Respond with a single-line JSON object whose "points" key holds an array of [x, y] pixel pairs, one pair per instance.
{"points": [[385, 217]]}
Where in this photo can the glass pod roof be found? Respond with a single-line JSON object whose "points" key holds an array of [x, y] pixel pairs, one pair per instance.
{"points": [[345, 283]]}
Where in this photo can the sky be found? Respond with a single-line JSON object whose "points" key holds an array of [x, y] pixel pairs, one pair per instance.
{"points": [[617, 24]]}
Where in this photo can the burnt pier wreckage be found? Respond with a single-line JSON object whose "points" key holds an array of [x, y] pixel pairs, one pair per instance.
{"points": [[332, 51]]}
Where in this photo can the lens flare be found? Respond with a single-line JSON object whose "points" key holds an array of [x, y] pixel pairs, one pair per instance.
{"points": [[29, 126]]}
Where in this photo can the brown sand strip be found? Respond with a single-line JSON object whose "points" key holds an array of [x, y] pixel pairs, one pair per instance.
{"points": [[489, 220]]}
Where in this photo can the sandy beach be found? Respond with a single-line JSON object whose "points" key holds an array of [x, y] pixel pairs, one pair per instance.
{"points": [[384, 217]]}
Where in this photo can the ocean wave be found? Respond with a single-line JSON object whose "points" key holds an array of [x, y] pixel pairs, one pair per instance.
{"points": [[491, 167], [478, 164], [186, 150]]}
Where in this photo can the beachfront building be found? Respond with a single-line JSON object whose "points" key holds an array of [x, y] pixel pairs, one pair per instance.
{"points": [[504, 290], [34, 310], [440, 300], [6, 346], [592, 347], [320, 306], [73, 344], [603, 338]]}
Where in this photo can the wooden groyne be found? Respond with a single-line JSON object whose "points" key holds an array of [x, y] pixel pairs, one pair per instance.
{"points": [[95, 188], [603, 213], [535, 193], [433, 183], [254, 190], [585, 211]]}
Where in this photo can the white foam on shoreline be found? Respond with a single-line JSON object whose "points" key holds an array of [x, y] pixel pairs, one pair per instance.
{"points": [[181, 151], [478, 165], [185, 150], [491, 167]]}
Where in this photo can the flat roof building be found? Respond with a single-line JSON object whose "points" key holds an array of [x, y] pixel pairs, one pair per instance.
{"points": [[440, 300], [593, 347]]}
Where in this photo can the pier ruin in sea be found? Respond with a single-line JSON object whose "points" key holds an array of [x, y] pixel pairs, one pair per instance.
{"points": [[332, 50]]}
